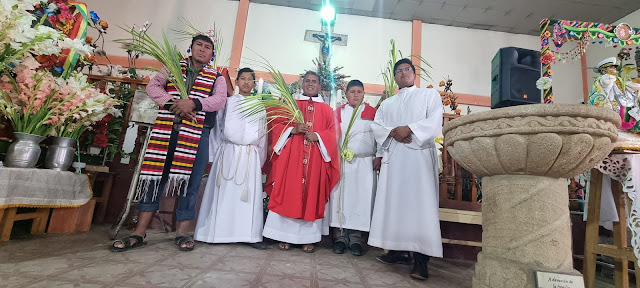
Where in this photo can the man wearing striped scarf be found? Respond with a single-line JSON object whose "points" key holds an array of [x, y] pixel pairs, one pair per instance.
{"points": [[178, 151]]}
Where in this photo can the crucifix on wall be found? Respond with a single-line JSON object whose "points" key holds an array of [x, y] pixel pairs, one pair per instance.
{"points": [[325, 41]]}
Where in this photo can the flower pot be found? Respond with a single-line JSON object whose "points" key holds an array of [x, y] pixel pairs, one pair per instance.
{"points": [[60, 154], [24, 151], [94, 150]]}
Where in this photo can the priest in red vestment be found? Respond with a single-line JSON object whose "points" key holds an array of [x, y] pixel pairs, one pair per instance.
{"points": [[305, 167]]}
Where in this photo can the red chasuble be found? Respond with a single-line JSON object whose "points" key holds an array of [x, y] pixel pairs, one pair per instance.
{"points": [[300, 180]]}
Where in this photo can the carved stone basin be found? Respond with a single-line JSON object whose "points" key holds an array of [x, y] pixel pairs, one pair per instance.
{"points": [[525, 153]]}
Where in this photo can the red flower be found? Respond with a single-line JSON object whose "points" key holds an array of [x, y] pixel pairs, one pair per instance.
{"points": [[548, 58], [100, 140]]}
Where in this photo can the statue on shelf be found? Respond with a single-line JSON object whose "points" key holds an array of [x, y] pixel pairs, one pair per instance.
{"points": [[608, 90]]}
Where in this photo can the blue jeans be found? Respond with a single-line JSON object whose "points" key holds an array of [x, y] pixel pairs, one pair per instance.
{"points": [[186, 209]]}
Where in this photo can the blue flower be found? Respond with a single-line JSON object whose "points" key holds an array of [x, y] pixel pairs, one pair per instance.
{"points": [[59, 70], [94, 17]]}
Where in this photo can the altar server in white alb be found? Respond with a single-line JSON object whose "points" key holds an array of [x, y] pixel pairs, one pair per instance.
{"points": [[351, 201], [232, 204], [405, 214]]}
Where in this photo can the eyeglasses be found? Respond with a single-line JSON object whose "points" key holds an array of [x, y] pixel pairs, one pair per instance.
{"points": [[403, 70]]}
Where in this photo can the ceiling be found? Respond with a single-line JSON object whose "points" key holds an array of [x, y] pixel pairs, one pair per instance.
{"points": [[513, 16]]}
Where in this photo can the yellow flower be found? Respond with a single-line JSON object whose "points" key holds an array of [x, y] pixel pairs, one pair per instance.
{"points": [[430, 86], [441, 83], [458, 111], [439, 140]]}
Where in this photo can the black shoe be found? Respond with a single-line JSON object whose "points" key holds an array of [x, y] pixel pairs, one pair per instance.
{"points": [[395, 257], [420, 266], [259, 245], [356, 249], [338, 247]]}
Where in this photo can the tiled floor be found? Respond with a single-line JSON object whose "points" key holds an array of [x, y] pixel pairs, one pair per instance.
{"points": [[82, 260]]}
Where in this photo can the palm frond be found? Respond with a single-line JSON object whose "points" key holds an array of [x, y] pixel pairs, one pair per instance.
{"points": [[163, 51], [279, 103], [352, 120], [390, 85], [423, 73]]}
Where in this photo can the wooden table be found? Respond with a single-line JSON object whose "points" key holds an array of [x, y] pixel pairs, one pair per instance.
{"points": [[620, 251], [42, 189]]}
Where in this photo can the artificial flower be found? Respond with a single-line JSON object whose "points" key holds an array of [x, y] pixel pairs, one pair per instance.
{"points": [[76, 44], [104, 24], [94, 17], [548, 58], [543, 83], [347, 154]]}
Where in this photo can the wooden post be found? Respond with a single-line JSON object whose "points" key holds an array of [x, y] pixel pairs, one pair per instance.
{"points": [[7, 223], [620, 236], [593, 225]]}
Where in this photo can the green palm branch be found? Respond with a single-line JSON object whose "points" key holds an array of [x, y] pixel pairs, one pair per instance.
{"points": [[163, 51], [390, 86], [278, 104], [344, 148]]}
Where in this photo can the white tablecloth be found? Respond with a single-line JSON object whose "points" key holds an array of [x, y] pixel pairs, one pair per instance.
{"points": [[42, 188]]}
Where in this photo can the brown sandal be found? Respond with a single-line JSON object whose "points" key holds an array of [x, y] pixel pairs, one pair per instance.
{"points": [[284, 246], [306, 249]]}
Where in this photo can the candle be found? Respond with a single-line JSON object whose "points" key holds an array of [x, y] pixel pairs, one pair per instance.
{"points": [[260, 83], [236, 91]]}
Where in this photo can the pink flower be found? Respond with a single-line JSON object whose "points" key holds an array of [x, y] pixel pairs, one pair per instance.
{"points": [[30, 63], [6, 86]]}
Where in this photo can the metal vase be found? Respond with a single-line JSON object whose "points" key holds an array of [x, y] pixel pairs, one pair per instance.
{"points": [[60, 154], [24, 152]]}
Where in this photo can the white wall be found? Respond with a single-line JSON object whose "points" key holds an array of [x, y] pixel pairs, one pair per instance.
{"points": [[277, 34], [465, 55], [164, 15]]}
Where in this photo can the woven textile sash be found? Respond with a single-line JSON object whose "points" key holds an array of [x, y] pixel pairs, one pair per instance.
{"points": [[188, 139]]}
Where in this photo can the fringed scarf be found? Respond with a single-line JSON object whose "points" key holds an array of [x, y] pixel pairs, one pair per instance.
{"points": [[188, 139]]}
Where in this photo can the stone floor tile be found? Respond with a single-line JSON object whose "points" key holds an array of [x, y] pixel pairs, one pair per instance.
{"points": [[329, 284], [52, 282], [192, 259], [107, 271], [288, 268], [17, 280], [281, 282], [338, 274], [143, 255], [388, 279], [295, 255], [44, 266], [224, 279], [246, 251], [240, 264], [161, 276]]}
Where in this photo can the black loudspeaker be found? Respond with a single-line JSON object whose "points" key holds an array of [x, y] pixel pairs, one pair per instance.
{"points": [[514, 72]]}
